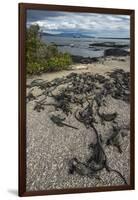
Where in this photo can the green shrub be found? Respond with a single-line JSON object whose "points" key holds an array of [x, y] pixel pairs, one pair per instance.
{"points": [[34, 68], [58, 63], [41, 57]]}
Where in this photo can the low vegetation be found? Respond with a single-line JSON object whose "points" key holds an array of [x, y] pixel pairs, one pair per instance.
{"points": [[41, 57]]}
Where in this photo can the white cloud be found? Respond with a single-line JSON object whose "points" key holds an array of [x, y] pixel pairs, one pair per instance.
{"points": [[84, 22]]}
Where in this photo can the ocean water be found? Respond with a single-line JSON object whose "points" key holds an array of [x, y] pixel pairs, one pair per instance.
{"points": [[80, 46]]}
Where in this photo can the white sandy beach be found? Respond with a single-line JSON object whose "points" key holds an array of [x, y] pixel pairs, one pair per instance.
{"points": [[50, 147]]}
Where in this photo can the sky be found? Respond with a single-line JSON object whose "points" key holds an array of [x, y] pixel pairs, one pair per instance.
{"points": [[91, 24]]}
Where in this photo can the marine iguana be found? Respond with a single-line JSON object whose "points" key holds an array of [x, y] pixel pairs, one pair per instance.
{"points": [[95, 163], [115, 138], [81, 168], [59, 122]]}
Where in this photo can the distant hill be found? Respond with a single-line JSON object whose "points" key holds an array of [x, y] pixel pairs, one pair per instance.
{"points": [[79, 35], [47, 34], [113, 38], [75, 35]]}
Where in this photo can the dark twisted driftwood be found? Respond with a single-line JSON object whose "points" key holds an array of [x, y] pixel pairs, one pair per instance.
{"points": [[82, 91]]}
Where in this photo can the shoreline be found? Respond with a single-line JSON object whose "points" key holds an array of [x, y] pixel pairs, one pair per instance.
{"points": [[110, 52], [101, 66]]}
